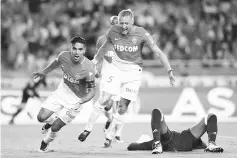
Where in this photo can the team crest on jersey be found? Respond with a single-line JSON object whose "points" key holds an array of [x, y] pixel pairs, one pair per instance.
{"points": [[134, 40]]}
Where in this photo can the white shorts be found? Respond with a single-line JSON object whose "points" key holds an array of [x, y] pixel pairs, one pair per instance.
{"points": [[130, 84], [57, 104], [115, 97], [109, 83], [120, 82]]}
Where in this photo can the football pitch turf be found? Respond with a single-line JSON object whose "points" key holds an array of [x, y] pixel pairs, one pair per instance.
{"points": [[22, 141]]}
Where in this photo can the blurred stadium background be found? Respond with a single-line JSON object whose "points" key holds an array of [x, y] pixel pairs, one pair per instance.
{"points": [[198, 36]]}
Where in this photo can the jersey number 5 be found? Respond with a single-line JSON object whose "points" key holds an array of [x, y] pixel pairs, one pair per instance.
{"points": [[110, 79]]}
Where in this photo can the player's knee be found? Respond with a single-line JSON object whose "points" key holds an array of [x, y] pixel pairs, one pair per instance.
{"points": [[44, 114], [41, 118], [212, 117], [109, 105], [132, 147], [103, 101], [211, 123], [110, 118], [122, 109], [158, 113], [140, 146], [99, 107], [104, 98]]}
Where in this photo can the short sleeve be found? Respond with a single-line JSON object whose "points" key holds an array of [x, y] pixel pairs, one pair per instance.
{"points": [[59, 57], [100, 42], [110, 33], [90, 78], [91, 72], [147, 38]]}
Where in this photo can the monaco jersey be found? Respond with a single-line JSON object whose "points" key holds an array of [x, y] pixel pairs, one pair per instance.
{"points": [[75, 77], [128, 48], [101, 40]]}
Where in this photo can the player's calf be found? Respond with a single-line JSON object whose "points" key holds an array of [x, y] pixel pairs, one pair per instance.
{"points": [[156, 118], [211, 121], [107, 124], [108, 106], [211, 127]]}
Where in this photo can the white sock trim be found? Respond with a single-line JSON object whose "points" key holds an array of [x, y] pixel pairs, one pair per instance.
{"points": [[51, 119], [96, 113], [50, 136], [205, 119]]}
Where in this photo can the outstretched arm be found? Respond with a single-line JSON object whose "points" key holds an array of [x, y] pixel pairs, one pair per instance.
{"points": [[101, 40], [156, 50], [46, 70], [51, 66], [101, 52]]}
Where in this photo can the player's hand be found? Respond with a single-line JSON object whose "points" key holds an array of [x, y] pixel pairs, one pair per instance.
{"points": [[38, 75], [97, 73], [171, 77]]}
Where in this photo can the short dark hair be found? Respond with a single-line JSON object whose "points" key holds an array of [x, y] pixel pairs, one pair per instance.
{"points": [[113, 20], [78, 39]]}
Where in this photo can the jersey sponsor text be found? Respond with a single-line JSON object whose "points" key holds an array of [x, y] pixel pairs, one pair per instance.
{"points": [[126, 48]]}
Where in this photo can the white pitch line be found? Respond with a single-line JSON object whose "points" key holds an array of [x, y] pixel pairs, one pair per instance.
{"points": [[226, 137]]}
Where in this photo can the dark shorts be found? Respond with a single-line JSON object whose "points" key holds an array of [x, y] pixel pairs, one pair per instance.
{"points": [[183, 141], [171, 141]]}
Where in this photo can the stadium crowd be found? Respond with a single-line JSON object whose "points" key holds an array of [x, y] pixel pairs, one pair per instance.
{"points": [[34, 32]]}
